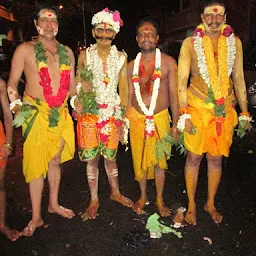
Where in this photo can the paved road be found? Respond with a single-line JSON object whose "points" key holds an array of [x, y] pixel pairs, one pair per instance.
{"points": [[118, 230]]}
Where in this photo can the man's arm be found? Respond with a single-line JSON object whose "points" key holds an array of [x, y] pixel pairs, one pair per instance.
{"points": [[72, 89], [123, 84], [17, 68], [184, 63], [130, 84], [6, 112], [238, 77], [173, 95], [80, 65]]}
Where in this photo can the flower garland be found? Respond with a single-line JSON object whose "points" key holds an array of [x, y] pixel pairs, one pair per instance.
{"points": [[216, 78], [108, 17], [105, 87], [54, 101], [148, 112]]}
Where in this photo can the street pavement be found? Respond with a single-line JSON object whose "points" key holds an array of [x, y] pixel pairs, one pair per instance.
{"points": [[118, 231]]}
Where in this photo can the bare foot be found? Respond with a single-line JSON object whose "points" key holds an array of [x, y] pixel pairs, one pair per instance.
{"points": [[178, 219], [122, 200], [91, 211], [216, 216], [31, 227], [139, 205], [163, 209], [11, 234], [62, 211]]}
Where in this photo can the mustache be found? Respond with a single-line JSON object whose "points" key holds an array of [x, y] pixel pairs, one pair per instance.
{"points": [[104, 38], [214, 23]]}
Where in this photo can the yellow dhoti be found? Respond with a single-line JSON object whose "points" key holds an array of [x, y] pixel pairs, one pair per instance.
{"points": [[42, 143], [143, 148], [207, 138]]}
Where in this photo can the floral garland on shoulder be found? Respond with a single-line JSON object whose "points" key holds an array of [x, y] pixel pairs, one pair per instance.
{"points": [[105, 87], [148, 112], [53, 101], [216, 76]]}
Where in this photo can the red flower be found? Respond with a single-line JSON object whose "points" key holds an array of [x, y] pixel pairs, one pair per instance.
{"points": [[102, 105], [150, 134], [215, 10], [149, 117], [118, 122], [136, 79], [228, 31], [220, 101], [155, 76], [121, 22], [199, 32], [102, 124], [103, 137]]}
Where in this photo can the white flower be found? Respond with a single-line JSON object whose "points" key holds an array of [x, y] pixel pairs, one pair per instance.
{"points": [[182, 122]]}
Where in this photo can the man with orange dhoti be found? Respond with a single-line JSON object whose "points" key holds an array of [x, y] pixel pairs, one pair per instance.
{"points": [[100, 112], [213, 57], [46, 124], [152, 78]]}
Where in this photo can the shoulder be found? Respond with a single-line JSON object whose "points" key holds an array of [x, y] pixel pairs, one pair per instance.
{"points": [[168, 60], [130, 64], [122, 54], [188, 42], [238, 41], [25, 47]]}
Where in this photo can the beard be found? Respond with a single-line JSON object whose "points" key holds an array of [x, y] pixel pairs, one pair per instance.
{"points": [[217, 26]]}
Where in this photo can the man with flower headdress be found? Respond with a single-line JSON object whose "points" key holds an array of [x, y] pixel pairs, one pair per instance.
{"points": [[100, 128], [46, 124], [213, 58], [152, 78]]}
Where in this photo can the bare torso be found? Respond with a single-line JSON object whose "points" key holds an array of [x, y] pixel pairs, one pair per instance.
{"points": [[33, 87], [163, 99]]}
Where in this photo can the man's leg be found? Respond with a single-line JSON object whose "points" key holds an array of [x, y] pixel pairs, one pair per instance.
{"points": [[35, 191], [214, 177], [139, 205], [160, 179], [11, 234], [54, 175], [112, 172], [191, 176], [92, 172]]}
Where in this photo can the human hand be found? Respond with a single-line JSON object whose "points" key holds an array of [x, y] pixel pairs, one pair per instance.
{"points": [[189, 127], [78, 107], [87, 86], [175, 134], [5, 151], [120, 132]]}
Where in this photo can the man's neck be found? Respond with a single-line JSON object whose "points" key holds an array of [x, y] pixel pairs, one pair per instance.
{"points": [[103, 49], [148, 55], [48, 43]]}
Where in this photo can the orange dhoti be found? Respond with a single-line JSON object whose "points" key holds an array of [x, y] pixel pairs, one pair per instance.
{"points": [[3, 162], [145, 150], [213, 135], [88, 135]]}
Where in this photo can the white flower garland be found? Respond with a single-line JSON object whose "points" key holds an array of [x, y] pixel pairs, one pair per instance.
{"points": [[148, 112], [182, 122], [106, 94], [201, 59], [14, 103]]}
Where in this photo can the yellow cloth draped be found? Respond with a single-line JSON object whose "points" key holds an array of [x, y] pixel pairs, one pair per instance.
{"points": [[144, 148], [42, 142], [206, 138]]}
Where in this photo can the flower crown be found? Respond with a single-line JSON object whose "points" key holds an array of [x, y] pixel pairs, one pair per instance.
{"points": [[109, 17]]}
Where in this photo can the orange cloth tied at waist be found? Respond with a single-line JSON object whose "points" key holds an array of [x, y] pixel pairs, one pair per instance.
{"points": [[208, 138]]}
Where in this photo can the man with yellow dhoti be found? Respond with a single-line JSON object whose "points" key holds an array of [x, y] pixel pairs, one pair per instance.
{"points": [[46, 124], [101, 110], [152, 78], [213, 57]]}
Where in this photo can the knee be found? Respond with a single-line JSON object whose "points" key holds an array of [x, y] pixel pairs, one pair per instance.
{"points": [[55, 161], [193, 160], [214, 162]]}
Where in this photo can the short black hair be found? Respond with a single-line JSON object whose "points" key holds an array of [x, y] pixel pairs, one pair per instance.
{"points": [[207, 3], [47, 7], [148, 20]]}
